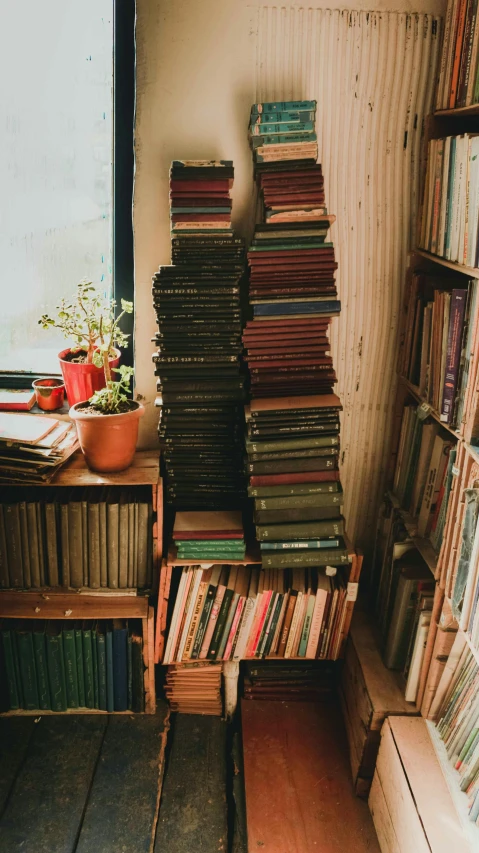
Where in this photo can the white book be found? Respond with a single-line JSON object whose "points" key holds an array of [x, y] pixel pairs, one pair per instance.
{"points": [[417, 658], [431, 168], [473, 202], [294, 624], [191, 606], [318, 616], [174, 619]]}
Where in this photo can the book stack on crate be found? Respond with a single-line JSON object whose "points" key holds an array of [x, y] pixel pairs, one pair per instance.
{"points": [[59, 665], [195, 689], [449, 224], [292, 442], [458, 84], [33, 448], [197, 300], [209, 536], [92, 537], [230, 612], [292, 682]]}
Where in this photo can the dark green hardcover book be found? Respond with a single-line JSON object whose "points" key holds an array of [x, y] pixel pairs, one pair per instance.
{"points": [[101, 654], [327, 499], [120, 665], [298, 559], [13, 537], [41, 665], [286, 466], [113, 536], [311, 453], [274, 625], [11, 667], [88, 665], [110, 702], [4, 577], [26, 659], [131, 542], [22, 512], [130, 672], [295, 489], [203, 621], [262, 636], [138, 687], [94, 650], [220, 624], [300, 530], [70, 658], [303, 513], [56, 666], [80, 664], [94, 552], [228, 623]]}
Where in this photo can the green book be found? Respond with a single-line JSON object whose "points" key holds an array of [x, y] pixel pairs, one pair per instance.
{"points": [[11, 667], [26, 659], [228, 624], [80, 664], [220, 623], [123, 551], [75, 543], [88, 665], [49, 509], [142, 544], [328, 499], [300, 530], [65, 545], [4, 577], [41, 665], [94, 550], [103, 537], [298, 559], [85, 532], [110, 700], [113, 534], [274, 624], [263, 637], [13, 537], [22, 512], [70, 658], [101, 655], [56, 666], [94, 649]]}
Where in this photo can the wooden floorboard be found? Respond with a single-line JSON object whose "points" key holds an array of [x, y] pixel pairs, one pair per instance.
{"points": [[121, 811], [15, 734], [193, 812], [45, 808], [299, 794]]}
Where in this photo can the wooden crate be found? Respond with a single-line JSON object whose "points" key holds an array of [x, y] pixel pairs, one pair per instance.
{"points": [[412, 809], [369, 693]]}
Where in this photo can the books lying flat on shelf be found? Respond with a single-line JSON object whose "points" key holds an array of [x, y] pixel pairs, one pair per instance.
{"points": [[235, 612], [97, 537], [55, 665], [208, 536], [33, 447], [195, 688], [297, 681]]}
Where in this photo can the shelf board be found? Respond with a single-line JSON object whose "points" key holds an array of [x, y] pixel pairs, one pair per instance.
{"points": [[423, 545], [414, 391], [53, 605], [143, 471], [452, 778], [472, 272], [458, 112], [258, 660]]}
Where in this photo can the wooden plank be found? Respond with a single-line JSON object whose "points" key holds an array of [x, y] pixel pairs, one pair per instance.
{"points": [[46, 805], [299, 795], [144, 470], [193, 805], [355, 752], [431, 795], [15, 735], [382, 819], [399, 800], [161, 613], [41, 605], [121, 810]]}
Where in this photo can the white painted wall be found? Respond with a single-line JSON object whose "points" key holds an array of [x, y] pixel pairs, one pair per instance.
{"points": [[200, 66]]}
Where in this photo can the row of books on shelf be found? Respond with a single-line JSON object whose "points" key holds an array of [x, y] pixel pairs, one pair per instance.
{"points": [[438, 341], [449, 223], [55, 665], [424, 470], [231, 612], [290, 681], [458, 84], [96, 537]]}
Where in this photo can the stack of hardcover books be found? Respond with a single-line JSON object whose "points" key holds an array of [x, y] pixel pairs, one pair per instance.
{"points": [[33, 448], [283, 130], [296, 681], [195, 689], [198, 305], [292, 438], [207, 536]]}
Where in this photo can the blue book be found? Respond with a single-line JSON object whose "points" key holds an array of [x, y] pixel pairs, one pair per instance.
{"points": [[110, 701], [280, 308], [292, 117], [283, 106], [284, 129], [120, 665], [309, 543]]}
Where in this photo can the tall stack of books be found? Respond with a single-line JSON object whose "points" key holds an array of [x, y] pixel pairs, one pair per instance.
{"points": [[292, 441], [198, 305]]}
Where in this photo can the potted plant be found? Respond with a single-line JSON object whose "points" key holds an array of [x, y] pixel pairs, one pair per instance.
{"points": [[107, 424], [88, 320]]}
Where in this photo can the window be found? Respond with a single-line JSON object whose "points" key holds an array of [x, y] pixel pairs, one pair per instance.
{"points": [[60, 74]]}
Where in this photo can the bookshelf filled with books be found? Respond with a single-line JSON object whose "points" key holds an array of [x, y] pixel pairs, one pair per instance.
{"points": [[80, 559]]}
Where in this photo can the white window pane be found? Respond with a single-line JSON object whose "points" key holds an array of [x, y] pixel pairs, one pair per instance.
{"points": [[56, 129]]}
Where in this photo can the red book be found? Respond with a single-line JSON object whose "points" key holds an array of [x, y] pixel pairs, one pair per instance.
{"points": [[16, 400]]}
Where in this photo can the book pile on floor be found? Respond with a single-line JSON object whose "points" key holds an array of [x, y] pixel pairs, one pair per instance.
{"points": [[207, 536], [33, 447], [458, 728], [292, 682], [195, 689], [459, 70], [54, 665], [449, 225], [75, 537], [197, 300], [230, 612], [292, 441]]}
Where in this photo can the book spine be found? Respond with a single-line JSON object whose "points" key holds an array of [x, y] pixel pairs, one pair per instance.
{"points": [[52, 543], [22, 512], [458, 52], [103, 544], [298, 531], [120, 674], [220, 593], [75, 542], [12, 671], [28, 674], [308, 544], [56, 672], [112, 516], [220, 624], [288, 618], [88, 667], [284, 560], [245, 628], [93, 516], [70, 660], [328, 499], [234, 628], [226, 631], [294, 625], [458, 304], [102, 690], [14, 544], [110, 693], [65, 545], [465, 69], [80, 667]]}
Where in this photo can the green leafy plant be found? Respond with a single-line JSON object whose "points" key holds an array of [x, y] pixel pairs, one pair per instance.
{"points": [[108, 401], [89, 321]]}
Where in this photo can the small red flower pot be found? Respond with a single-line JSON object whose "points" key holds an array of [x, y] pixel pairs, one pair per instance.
{"points": [[49, 394]]}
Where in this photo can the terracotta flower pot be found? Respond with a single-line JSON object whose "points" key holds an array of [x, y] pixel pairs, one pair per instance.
{"points": [[82, 380], [49, 394], [108, 442]]}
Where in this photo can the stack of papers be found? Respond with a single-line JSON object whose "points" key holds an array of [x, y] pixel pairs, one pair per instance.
{"points": [[33, 447]]}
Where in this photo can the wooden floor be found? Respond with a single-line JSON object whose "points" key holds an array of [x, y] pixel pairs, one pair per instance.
{"points": [[80, 784], [299, 794]]}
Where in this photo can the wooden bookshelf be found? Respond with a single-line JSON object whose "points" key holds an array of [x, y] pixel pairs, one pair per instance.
{"points": [[143, 471], [471, 272], [422, 544], [53, 604], [432, 413], [458, 112]]}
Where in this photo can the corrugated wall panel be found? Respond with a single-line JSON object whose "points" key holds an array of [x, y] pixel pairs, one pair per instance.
{"points": [[372, 74]]}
